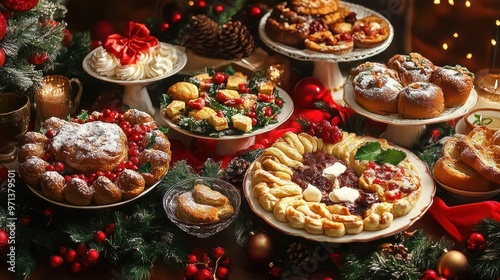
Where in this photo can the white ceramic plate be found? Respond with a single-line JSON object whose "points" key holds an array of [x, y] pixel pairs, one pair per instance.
{"points": [[39, 193], [462, 196], [448, 114], [305, 54], [399, 224], [286, 112]]}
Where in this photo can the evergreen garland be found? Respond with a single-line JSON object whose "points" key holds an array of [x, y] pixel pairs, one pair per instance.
{"points": [[486, 265]]}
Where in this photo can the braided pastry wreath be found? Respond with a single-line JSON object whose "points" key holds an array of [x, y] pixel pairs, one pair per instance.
{"points": [[356, 194]]}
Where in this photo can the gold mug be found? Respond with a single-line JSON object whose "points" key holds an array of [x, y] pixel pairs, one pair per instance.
{"points": [[55, 97], [15, 115]]}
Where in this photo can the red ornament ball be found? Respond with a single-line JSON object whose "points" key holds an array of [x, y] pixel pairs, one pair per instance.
{"points": [[429, 274], [19, 5], [476, 242], [3, 26], [2, 58], [100, 236], [56, 261], [309, 90], [38, 58], [254, 12]]}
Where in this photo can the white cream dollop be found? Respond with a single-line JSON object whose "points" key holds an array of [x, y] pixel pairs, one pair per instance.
{"points": [[344, 194], [312, 194], [104, 63], [334, 170]]}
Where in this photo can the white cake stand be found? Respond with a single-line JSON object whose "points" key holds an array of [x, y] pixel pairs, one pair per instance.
{"points": [[136, 94], [404, 132], [326, 67]]}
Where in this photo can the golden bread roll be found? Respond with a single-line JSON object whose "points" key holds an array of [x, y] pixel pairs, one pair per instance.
{"points": [[31, 170], [377, 92], [78, 192], [131, 183], [52, 185], [456, 83], [412, 67], [105, 192], [457, 174], [29, 150], [420, 100], [183, 91]]}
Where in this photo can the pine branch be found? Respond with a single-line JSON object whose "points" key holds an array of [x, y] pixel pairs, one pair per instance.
{"points": [[486, 265], [210, 169], [426, 253]]}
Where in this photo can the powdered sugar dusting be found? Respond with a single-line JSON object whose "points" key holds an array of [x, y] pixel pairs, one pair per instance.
{"points": [[91, 138]]}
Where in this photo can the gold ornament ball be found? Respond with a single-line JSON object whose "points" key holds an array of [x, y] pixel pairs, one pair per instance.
{"points": [[260, 248], [452, 264]]}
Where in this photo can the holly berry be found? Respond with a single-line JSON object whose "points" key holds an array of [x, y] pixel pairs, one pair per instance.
{"points": [[2, 58], [4, 239], [62, 250], [268, 112], [110, 228], [25, 220], [81, 250], [100, 236], [203, 274], [70, 255], [47, 212], [56, 261], [92, 255], [225, 261], [190, 270], [76, 267], [192, 258], [218, 252], [221, 273], [429, 274]]}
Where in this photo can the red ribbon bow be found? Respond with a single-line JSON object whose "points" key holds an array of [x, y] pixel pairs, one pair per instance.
{"points": [[128, 49]]}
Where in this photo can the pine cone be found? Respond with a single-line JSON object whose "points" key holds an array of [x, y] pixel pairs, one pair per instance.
{"points": [[202, 35], [235, 170], [397, 250], [298, 253], [235, 41]]}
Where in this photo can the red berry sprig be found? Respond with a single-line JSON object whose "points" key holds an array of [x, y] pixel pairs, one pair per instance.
{"points": [[76, 258], [204, 266]]}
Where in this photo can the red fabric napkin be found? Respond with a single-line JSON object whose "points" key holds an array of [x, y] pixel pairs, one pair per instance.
{"points": [[460, 220]]}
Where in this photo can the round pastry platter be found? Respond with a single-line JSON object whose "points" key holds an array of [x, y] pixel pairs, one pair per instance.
{"points": [[399, 224], [40, 194], [326, 66], [232, 143], [136, 95], [448, 114], [405, 132]]}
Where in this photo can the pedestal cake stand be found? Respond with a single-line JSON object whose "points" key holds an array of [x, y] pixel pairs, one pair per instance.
{"points": [[404, 132], [326, 67], [136, 94]]}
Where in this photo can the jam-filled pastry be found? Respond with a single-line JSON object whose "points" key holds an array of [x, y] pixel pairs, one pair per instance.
{"points": [[325, 41], [370, 31]]}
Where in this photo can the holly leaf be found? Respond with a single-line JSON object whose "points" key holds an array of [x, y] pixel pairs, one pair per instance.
{"points": [[372, 151], [369, 151], [391, 156], [152, 141], [145, 168], [163, 129]]}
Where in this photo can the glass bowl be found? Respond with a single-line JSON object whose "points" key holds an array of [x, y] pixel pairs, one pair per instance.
{"points": [[201, 230]]}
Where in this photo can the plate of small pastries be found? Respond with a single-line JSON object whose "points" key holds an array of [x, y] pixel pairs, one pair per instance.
{"points": [[220, 106], [329, 30], [410, 90], [468, 166], [95, 160], [326, 191]]}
